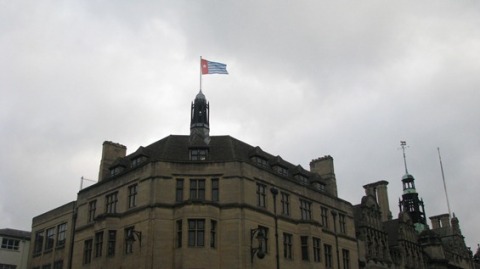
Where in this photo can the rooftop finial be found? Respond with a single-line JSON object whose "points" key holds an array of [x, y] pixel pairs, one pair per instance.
{"points": [[403, 144]]}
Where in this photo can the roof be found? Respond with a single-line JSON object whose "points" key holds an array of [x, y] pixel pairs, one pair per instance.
{"points": [[175, 148], [7, 232]]}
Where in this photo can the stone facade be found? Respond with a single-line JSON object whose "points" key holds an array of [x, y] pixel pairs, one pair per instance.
{"points": [[397, 243], [201, 201], [52, 238]]}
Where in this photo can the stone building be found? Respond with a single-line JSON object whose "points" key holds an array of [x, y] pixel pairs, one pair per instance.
{"points": [[52, 238], [14, 248], [201, 201], [406, 242]]}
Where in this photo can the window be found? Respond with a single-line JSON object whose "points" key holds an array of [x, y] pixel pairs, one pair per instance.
{"points": [[285, 204], [287, 246], [304, 247], [305, 209], [129, 239], [324, 213], [197, 189], [47, 266], [316, 249], [179, 233], [260, 161], [198, 154], [215, 190], [302, 179], [61, 235], [281, 170], [38, 242], [58, 264], [196, 232], [213, 233], [8, 243], [328, 256], [261, 194], [98, 244], [111, 203], [342, 222], [346, 259], [319, 186], [137, 161], [112, 238], [265, 234], [87, 251], [132, 196], [116, 170], [49, 240], [92, 208], [179, 190]]}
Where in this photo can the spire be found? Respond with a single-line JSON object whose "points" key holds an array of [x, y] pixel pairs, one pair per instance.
{"points": [[410, 202], [199, 122]]}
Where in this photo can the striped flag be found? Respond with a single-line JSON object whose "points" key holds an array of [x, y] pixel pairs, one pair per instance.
{"points": [[213, 67]]}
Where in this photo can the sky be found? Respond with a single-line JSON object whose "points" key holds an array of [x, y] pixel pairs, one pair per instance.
{"points": [[350, 79]]}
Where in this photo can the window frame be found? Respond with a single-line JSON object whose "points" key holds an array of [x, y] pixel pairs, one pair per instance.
{"points": [[10, 243], [61, 235], [305, 209], [215, 189], [261, 195], [285, 201], [196, 232], [179, 186], [132, 195], [98, 244], [304, 248], [111, 202], [197, 189], [287, 246]]}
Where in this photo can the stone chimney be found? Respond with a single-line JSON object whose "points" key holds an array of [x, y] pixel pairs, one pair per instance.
{"points": [[324, 167], [379, 191], [110, 152], [440, 221]]}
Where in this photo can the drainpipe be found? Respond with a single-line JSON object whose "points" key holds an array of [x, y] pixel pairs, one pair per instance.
{"points": [[74, 222], [274, 191], [334, 215]]}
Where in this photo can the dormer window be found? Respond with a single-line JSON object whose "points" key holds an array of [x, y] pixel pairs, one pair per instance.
{"points": [[116, 170], [319, 186], [302, 179], [281, 170], [138, 160], [198, 154], [260, 161]]}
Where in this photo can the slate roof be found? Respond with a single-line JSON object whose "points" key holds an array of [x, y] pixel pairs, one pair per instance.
{"points": [[7, 232], [175, 148]]}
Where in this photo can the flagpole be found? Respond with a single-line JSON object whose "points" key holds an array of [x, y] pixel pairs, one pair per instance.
{"points": [[200, 73]]}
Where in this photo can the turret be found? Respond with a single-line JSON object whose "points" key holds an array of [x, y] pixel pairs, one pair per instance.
{"points": [[199, 123]]}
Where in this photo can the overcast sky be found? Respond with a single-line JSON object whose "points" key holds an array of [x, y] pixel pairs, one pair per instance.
{"points": [[350, 79]]}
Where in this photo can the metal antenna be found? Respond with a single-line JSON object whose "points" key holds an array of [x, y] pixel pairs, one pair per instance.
{"points": [[403, 144], [444, 184], [83, 179]]}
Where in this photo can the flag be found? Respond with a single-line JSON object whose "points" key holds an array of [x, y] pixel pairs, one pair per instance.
{"points": [[213, 67]]}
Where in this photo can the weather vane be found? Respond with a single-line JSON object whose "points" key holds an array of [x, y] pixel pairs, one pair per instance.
{"points": [[403, 144]]}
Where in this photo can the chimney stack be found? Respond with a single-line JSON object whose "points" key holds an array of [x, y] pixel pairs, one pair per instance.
{"points": [[379, 191], [110, 152]]}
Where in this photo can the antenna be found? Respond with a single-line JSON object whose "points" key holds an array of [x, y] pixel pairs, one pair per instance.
{"points": [[444, 184], [403, 144], [82, 179]]}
